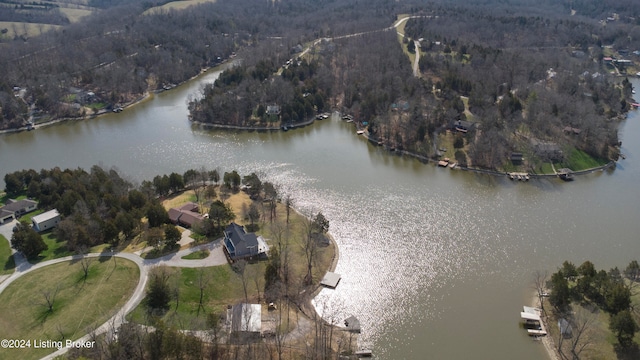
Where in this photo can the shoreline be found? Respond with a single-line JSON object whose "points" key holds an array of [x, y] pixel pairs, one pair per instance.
{"points": [[547, 341], [146, 95], [426, 159]]}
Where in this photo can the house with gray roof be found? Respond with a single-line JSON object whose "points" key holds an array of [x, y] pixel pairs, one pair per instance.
{"points": [[16, 208], [239, 244]]}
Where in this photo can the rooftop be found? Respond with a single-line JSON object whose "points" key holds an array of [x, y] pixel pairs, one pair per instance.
{"points": [[51, 214]]}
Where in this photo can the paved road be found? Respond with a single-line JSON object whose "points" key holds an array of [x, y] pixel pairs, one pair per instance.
{"points": [[215, 258]]}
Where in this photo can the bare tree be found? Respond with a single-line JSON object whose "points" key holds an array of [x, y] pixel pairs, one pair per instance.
{"points": [[257, 276], [539, 281], [203, 283], [85, 261], [239, 267], [50, 298], [310, 248], [288, 203], [582, 325]]}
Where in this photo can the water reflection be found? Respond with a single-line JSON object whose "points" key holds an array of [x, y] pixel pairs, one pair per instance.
{"points": [[424, 251]]}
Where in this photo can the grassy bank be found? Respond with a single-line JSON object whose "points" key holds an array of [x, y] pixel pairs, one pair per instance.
{"points": [[223, 286], [7, 264], [78, 304]]}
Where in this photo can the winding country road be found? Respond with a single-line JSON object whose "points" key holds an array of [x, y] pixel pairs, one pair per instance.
{"points": [[216, 257], [416, 69]]}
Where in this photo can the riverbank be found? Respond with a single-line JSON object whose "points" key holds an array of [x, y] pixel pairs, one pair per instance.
{"points": [[547, 341], [254, 128], [125, 106], [425, 159]]}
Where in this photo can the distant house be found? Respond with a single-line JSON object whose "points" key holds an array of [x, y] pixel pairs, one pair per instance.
{"points": [[401, 105], [463, 126], [16, 208], [549, 150], [571, 130], [187, 215], [246, 321], [517, 158], [273, 110], [238, 244], [45, 221], [623, 63], [578, 53]]}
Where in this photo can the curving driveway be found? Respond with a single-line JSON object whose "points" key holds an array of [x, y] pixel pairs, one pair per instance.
{"points": [[216, 257]]}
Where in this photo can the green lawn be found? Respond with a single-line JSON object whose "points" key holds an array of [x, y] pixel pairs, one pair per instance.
{"points": [[79, 304], [579, 160], [7, 265], [202, 254], [27, 217], [56, 249], [224, 287]]}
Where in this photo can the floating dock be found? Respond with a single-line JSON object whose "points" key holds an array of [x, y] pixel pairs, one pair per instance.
{"points": [[330, 280], [519, 176], [532, 321]]}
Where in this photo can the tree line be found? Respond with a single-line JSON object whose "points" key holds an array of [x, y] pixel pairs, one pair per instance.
{"points": [[100, 207], [586, 287]]}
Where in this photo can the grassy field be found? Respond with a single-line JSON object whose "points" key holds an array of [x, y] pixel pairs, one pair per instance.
{"points": [[579, 160], [223, 287], [28, 29], [75, 15], [175, 5], [79, 304], [56, 249], [7, 265]]}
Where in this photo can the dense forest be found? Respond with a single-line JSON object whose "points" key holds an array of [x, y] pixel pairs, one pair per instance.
{"points": [[509, 83], [517, 77]]}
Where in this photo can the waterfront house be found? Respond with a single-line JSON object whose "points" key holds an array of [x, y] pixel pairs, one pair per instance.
{"points": [[273, 110], [187, 215], [239, 244], [517, 158], [45, 221], [463, 126], [16, 208]]}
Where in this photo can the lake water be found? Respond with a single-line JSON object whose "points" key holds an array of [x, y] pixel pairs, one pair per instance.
{"points": [[435, 263]]}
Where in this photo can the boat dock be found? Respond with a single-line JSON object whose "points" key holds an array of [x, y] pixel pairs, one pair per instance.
{"points": [[518, 176], [533, 322], [330, 280]]}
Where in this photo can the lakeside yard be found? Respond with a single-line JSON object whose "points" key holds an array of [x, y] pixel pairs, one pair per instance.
{"points": [[58, 303]]}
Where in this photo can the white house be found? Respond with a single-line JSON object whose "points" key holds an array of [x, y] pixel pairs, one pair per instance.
{"points": [[45, 221]]}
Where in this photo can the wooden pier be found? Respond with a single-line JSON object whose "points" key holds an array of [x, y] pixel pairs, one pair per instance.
{"points": [[518, 176]]}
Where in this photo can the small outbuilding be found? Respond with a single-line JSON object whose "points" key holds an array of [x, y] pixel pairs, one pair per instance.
{"points": [[45, 221], [246, 321]]}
